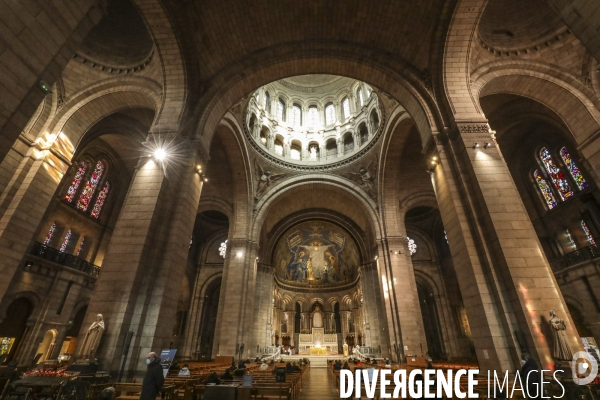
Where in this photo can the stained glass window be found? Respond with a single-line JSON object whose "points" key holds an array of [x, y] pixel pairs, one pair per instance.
{"points": [[575, 172], [558, 178], [412, 246], [76, 182], [65, 243], [570, 240], [346, 107], [329, 114], [100, 201], [545, 189], [80, 246], [223, 249], [50, 233], [313, 116], [588, 234], [90, 187]]}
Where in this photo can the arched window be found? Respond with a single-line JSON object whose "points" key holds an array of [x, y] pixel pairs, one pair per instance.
{"points": [[80, 247], [588, 234], [313, 116], [545, 189], [279, 145], [76, 182], [90, 187], [100, 201], [297, 115], [558, 178], [359, 96], [267, 102], [572, 167], [50, 233], [296, 151], [329, 114], [570, 240], [281, 110], [65, 243], [346, 108]]}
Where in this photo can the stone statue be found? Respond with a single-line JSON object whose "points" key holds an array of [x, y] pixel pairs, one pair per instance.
{"points": [[264, 179], [92, 338], [561, 350], [345, 349], [366, 178]]}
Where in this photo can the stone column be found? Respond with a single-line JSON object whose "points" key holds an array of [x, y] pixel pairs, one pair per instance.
{"points": [[344, 317], [505, 280], [142, 271], [237, 298], [263, 306], [400, 298], [25, 201], [375, 329]]}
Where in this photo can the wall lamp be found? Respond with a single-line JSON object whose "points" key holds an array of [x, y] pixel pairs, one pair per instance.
{"points": [[433, 162], [486, 145], [475, 145]]}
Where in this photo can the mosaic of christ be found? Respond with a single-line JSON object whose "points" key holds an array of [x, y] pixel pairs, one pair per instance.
{"points": [[316, 252]]}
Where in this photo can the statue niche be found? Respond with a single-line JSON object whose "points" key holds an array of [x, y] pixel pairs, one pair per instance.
{"points": [[317, 318]]}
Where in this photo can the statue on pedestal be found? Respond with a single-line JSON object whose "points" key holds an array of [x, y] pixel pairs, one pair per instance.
{"points": [[92, 338], [345, 349], [561, 350]]}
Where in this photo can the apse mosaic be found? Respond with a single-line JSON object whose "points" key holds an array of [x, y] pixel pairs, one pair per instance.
{"points": [[316, 252]]}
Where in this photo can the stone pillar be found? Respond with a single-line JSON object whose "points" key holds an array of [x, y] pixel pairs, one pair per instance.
{"points": [[263, 306], [344, 317], [292, 326], [25, 201], [327, 320], [30, 72], [375, 317], [505, 280], [237, 298], [400, 298], [138, 289]]}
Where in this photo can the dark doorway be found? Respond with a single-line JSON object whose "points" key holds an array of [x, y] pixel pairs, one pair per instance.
{"points": [[209, 319], [13, 328], [431, 323]]}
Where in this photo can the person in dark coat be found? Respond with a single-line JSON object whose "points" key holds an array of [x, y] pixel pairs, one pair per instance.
{"points": [[154, 378], [533, 383]]}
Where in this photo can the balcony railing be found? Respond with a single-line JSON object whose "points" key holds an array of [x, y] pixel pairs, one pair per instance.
{"points": [[68, 260], [576, 257]]}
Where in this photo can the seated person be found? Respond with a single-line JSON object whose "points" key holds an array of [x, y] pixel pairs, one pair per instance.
{"points": [[241, 365], [387, 364], [289, 368], [227, 375], [337, 366], [239, 372], [296, 368], [185, 371], [263, 366], [346, 366], [213, 378]]}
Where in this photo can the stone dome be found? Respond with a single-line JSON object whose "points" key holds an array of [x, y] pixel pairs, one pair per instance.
{"points": [[313, 120]]}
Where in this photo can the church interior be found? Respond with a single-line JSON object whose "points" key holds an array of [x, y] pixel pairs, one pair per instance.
{"points": [[401, 181]]}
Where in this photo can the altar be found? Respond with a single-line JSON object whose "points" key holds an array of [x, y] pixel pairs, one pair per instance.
{"points": [[318, 351], [318, 342]]}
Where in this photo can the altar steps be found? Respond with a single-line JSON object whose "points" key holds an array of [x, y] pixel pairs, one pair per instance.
{"points": [[317, 362]]}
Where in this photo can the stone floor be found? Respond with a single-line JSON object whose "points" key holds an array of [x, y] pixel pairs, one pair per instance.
{"points": [[318, 384]]}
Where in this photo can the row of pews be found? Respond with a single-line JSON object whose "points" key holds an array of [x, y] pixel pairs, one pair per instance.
{"points": [[194, 387]]}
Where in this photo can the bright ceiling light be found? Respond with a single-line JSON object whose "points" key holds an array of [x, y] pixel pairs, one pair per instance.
{"points": [[160, 154]]}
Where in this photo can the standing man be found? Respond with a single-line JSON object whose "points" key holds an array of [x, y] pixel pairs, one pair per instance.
{"points": [[154, 378]]}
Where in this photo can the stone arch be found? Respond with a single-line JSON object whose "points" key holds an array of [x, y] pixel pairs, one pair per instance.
{"points": [[239, 160], [169, 52], [209, 203], [30, 296], [278, 62], [316, 181], [87, 109], [566, 97]]}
